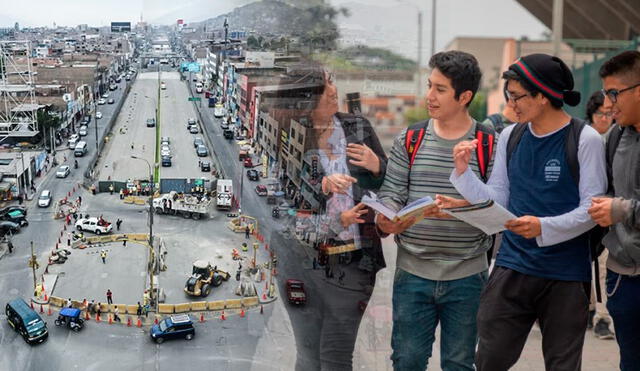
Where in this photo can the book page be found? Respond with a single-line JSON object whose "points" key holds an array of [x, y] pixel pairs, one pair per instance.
{"points": [[489, 217]]}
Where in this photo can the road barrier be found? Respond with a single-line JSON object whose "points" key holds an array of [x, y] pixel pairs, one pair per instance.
{"points": [[216, 305], [233, 303], [165, 308], [182, 308], [199, 305], [132, 309]]}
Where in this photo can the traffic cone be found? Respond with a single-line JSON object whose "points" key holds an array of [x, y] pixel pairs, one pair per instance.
{"points": [[242, 313], [86, 316], [139, 324], [201, 317], [97, 317], [222, 317], [110, 319], [261, 310], [129, 321], [49, 310], [46, 298], [41, 309]]}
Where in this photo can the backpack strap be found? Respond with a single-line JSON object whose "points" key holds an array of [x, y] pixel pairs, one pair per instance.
{"points": [[484, 150], [496, 120], [413, 140], [514, 139], [610, 150]]}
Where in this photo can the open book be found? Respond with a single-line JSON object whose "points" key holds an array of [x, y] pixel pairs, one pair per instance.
{"points": [[414, 209], [487, 216]]}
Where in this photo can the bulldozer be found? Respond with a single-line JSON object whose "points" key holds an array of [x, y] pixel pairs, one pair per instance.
{"points": [[203, 278]]}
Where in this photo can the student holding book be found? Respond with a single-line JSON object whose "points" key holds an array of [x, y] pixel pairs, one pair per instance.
{"points": [[543, 268], [441, 264]]}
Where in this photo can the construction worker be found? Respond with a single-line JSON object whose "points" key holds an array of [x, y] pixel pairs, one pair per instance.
{"points": [[103, 256], [244, 246], [111, 189]]}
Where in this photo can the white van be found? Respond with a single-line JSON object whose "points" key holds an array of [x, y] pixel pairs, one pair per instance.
{"points": [[81, 149], [199, 87]]}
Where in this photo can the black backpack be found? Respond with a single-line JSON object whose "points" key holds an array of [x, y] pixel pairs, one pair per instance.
{"points": [[572, 140], [497, 121]]}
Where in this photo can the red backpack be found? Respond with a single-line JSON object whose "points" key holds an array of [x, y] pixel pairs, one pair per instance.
{"points": [[484, 133]]}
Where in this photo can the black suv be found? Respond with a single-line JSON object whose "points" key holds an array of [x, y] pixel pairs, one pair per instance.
{"points": [[151, 122], [228, 134], [205, 166], [174, 327]]}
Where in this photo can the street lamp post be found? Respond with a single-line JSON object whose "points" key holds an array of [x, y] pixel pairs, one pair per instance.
{"points": [[153, 254]]}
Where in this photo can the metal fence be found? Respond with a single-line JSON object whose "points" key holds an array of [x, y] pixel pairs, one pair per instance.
{"points": [[587, 80]]}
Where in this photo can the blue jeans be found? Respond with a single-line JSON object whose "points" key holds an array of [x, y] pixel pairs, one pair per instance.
{"points": [[419, 305], [624, 308]]}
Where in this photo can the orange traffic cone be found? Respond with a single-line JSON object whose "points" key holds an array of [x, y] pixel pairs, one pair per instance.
{"points": [[46, 298], [222, 317], [86, 316], [201, 317], [110, 319], [261, 310], [49, 310], [97, 317], [128, 321], [41, 309], [139, 324], [241, 313]]}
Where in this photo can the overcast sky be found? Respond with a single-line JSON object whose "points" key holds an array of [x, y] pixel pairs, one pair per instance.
{"points": [[454, 17]]}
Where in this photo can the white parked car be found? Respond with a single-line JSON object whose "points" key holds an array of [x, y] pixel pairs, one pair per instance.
{"points": [[94, 225], [45, 198], [218, 111], [73, 140], [83, 130], [98, 115], [105, 95], [63, 171], [102, 101]]}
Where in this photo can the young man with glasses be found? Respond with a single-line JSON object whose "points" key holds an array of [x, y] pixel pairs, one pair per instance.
{"points": [[441, 265], [543, 268], [621, 80]]}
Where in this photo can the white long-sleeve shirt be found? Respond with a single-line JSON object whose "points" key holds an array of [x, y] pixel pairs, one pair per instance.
{"points": [[555, 229]]}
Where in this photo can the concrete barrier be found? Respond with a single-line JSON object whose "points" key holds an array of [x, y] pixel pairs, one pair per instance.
{"points": [[132, 309], [250, 301], [216, 305], [104, 307], [198, 305], [56, 301], [122, 308], [232, 303], [182, 308], [165, 308]]}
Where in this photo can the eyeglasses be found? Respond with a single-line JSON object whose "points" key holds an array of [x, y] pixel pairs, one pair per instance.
{"points": [[613, 93], [603, 114], [514, 99]]}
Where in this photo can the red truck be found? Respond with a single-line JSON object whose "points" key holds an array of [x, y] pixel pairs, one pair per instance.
{"points": [[295, 292]]}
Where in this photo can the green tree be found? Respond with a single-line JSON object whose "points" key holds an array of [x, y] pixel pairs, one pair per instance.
{"points": [[46, 123], [478, 107], [413, 115], [252, 43]]}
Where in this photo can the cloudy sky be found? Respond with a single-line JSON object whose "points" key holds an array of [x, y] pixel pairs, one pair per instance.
{"points": [[389, 23]]}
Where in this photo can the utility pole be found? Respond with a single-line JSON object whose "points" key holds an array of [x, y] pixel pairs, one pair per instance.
{"points": [[33, 263], [419, 63], [558, 7]]}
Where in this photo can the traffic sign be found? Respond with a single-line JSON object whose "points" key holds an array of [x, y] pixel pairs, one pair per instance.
{"points": [[195, 99]]}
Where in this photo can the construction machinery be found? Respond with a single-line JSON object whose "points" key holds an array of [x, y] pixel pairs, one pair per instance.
{"points": [[203, 278]]}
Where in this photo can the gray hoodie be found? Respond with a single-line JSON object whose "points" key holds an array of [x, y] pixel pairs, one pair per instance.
{"points": [[623, 240]]}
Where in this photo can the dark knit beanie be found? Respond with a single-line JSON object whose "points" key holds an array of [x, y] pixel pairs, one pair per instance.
{"points": [[548, 74]]}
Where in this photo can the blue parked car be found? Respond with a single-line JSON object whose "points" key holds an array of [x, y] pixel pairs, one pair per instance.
{"points": [[174, 327]]}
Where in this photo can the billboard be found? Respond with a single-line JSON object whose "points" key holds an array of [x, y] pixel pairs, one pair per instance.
{"points": [[120, 26]]}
